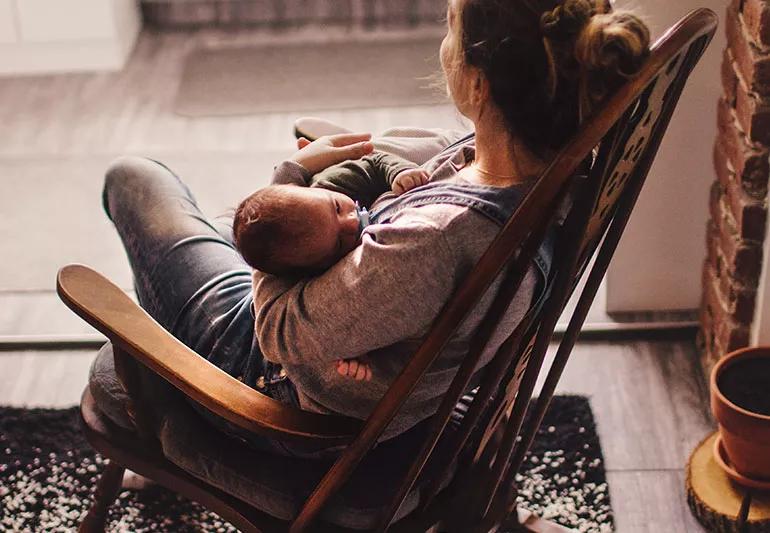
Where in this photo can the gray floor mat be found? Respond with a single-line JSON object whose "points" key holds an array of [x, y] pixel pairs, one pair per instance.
{"points": [[365, 75]]}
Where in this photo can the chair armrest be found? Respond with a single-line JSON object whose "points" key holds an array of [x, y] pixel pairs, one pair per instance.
{"points": [[107, 308]]}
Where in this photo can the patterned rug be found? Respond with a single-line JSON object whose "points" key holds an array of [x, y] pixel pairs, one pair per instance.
{"points": [[48, 473]]}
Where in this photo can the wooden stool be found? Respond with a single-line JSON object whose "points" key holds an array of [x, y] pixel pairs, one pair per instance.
{"points": [[718, 503]]}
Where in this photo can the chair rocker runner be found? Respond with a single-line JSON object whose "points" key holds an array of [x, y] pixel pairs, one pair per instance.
{"points": [[474, 464]]}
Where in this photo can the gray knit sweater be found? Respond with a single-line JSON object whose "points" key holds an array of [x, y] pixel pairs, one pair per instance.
{"points": [[378, 302]]}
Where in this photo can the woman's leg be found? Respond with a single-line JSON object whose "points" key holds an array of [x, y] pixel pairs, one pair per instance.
{"points": [[187, 276], [191, 279], [413, 144], [416, 144]]}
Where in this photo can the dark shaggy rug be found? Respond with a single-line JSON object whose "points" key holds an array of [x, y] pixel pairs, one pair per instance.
{"points": [[48, 473]]}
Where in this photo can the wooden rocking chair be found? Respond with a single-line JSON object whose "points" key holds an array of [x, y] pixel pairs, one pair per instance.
{"points": [[472, 484]]}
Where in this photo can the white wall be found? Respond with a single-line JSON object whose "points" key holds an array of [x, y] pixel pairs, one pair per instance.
{"points": [[658, 263], [43, 36], [8, 31]]}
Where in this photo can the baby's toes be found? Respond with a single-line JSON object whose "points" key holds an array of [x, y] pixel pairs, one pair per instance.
{"points": [[342, 367]]}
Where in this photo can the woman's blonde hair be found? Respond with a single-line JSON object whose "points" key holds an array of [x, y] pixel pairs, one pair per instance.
{"points": [[550, 62]]}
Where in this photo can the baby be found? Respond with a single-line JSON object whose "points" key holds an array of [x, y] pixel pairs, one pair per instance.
{"points": [[298, 229]]}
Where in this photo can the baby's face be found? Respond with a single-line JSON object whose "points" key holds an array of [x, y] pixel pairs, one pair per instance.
{"points": [[332, 220]]}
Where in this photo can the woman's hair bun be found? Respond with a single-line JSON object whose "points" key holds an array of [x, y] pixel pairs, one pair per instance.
{"points": [[567, 20], [585, 40], [613, 43]]}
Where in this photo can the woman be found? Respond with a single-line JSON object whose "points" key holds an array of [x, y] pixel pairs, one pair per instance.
{"points": [[525, 73]]}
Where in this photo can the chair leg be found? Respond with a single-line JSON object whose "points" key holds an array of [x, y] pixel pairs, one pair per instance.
{"points": [[106, 491]]}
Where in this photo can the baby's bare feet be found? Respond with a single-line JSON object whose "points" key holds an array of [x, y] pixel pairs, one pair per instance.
{"points": [[354, 368]]}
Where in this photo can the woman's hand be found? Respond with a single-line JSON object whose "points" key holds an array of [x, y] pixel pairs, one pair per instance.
{"points": [[331, 149]]}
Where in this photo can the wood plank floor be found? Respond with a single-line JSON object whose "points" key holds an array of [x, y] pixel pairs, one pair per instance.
{"points": [[648, 399], [57, 134]]}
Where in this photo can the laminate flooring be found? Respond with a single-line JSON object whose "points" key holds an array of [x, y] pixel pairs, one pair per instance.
{"points": [[648, 399], [59, 132], [57, 135]]}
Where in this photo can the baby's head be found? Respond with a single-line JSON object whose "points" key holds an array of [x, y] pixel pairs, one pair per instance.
{"points": [[286, 229]]}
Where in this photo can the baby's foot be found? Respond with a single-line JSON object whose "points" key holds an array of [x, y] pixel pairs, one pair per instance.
{"points": [[354, 368]]}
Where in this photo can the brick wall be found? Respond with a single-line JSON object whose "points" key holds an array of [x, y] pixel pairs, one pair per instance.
{"points": [[738, 197]]}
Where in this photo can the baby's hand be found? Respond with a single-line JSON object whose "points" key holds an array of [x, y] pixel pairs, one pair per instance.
{"points": [[354, 368], [409, 179]]}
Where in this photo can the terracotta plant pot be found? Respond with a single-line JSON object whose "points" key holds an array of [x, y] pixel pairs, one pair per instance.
{"points": [[740, 401]]}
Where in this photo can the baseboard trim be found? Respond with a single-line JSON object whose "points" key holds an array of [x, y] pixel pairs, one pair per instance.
{"points": [[590, 331], [26, 58], [184, 14]]}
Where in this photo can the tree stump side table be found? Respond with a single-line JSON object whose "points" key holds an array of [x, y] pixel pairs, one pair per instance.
{"points": [[718, 503]]}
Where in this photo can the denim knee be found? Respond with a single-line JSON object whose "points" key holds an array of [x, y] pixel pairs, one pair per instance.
{"points": [[124, 176]]}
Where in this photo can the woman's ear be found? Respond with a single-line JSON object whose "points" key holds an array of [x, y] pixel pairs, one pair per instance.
{"points": [[479, 90]]}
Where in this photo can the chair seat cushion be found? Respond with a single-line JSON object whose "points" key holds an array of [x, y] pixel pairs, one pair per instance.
{"points": [[278, 484], [273, 483]]}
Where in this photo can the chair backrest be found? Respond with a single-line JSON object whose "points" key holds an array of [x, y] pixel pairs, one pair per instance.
{"points": [[621, 141], [592, 229]]}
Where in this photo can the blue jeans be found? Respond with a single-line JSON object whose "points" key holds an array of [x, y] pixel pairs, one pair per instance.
{"points": [[189, 276]]}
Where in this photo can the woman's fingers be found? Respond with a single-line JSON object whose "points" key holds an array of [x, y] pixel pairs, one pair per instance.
{"points": [[351, 145], [327, 151], [346, 139], [354, 151], [361, 372], [302, 142]]}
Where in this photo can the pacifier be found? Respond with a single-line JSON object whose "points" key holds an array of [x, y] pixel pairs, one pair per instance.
{"points": [[363, 218]]}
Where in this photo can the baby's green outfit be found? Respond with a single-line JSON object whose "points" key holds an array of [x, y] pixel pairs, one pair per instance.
{"points": [[365, 179]]}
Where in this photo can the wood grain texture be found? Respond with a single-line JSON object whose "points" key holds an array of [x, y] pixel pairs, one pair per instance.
{"points": [[595, 221], [135, 334], [649, 399], [59, 132], [131, 111], [645, 491], [720, 504], [75, 228], [43, 379], [72, 119], [650, 501]]}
